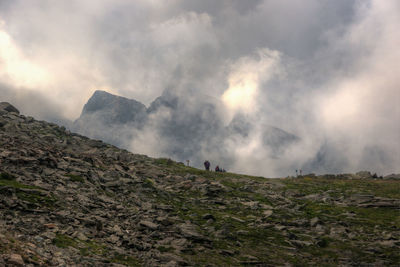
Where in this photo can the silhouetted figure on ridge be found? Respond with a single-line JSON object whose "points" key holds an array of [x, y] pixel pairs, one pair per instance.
{"points": [[207, 165]]}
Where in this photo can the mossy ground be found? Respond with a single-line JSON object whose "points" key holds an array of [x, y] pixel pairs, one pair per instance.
{"points": [[181, 169], [31, 194], [344, 187], [269, 244], [93, 248], [75, 178]]}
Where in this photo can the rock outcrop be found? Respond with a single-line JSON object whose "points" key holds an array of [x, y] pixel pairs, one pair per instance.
{"points": [[67, 200], [7, 107]]}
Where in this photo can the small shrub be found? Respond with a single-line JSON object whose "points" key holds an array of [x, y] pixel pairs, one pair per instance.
{"points": [[324, 242], [6, 176]]}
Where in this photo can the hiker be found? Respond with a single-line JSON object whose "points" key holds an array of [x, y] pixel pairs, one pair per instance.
{"points": [[217, 169], [296, 173], [301, 172], [207, 165]]}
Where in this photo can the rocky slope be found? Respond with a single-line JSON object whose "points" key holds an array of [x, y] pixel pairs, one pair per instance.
{"points": [[66, 200]]}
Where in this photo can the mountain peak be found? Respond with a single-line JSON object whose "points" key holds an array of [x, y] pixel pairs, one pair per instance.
{"points": [[113, 109], [102, 99]]}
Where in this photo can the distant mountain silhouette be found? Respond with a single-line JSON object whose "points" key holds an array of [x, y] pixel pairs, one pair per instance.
{"points": [[190, 127]]}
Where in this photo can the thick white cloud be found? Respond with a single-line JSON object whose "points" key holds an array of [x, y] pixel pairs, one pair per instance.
{"points": [[245, 79], [324, 70], [15, 68], [360, 111]]}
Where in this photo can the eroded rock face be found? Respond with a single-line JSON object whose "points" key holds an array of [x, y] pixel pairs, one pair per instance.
{"points": [[67, 200]]}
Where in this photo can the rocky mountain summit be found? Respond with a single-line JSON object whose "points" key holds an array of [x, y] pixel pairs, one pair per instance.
{"points": [[114, 109], [186, 127], [67, 200]]}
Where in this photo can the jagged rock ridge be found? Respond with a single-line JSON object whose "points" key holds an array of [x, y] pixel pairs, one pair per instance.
{"points": [[67, 200], [189, 127]]}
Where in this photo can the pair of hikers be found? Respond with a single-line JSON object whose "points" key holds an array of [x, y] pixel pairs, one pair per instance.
{"points": [[217, 168]]}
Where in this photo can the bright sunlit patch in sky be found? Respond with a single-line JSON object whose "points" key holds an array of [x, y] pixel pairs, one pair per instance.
{"points": [[246, 77], [15, 68], [241, 92]]}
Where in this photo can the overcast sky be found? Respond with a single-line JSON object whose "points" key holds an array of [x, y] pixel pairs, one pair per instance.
{"points": [[327, 71]]}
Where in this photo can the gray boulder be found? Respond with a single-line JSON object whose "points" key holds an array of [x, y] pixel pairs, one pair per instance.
{"points": [[7, 107]]}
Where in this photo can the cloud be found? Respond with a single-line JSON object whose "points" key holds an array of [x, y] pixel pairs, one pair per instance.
{"points": [[30, 102], [359, 111], [245, 78], [323, 70], [15, 68]]}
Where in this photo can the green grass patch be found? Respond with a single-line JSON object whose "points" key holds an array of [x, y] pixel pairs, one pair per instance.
{"points": [[64, 241], [75, 178], [89, 247], [163, 162], [125, 260], [181, 169], [370, 217], [34, 194], [15, 184], [85, 247], [36, 198], [367, 217], [346, 187], [211, 258]]}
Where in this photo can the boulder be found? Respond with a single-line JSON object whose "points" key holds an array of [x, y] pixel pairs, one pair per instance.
{"points": [[149, 225], [267, 213], [189, 231], [5, 106], [314, 221], [16, 259]]}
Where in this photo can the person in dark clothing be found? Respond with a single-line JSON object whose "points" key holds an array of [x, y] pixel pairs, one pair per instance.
{"points": [[207, 165], [217, 168]]}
